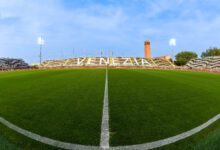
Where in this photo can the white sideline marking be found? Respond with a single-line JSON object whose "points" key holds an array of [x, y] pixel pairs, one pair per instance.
{"points": [[104, 141]]}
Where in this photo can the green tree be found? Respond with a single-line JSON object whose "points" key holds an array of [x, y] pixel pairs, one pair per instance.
{"points": [[184, 57], [211, 52]]}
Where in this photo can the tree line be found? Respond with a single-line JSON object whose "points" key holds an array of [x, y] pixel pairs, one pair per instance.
{"points": [[184, 57]]}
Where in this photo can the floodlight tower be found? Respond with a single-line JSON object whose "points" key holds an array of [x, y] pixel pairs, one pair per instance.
{"points": [[172, 44], [40, 42]]}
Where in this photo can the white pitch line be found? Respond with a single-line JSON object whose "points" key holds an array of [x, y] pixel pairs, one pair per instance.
{"points": [[170, 140], [104, 141], [45, 140], [145, 146]]}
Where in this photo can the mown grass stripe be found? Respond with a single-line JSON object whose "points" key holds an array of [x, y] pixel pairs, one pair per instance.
{"points": [[104, 141]]}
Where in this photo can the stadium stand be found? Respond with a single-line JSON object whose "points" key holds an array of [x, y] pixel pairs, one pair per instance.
{"points": [[163, 62], [12, 64], [103, 61], [205, 63]]}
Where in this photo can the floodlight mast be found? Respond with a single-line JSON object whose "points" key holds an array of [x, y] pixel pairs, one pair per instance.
{"points": [[40, 42], [172, 49], [172, 43], [40, 54]]}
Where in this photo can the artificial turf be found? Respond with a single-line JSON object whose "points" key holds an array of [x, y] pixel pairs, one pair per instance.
{"points": [[149, 105], [64, 104]]}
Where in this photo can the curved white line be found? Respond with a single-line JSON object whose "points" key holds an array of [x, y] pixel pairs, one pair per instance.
{"points": [[46, 140], [145, 146], [170, 140]]}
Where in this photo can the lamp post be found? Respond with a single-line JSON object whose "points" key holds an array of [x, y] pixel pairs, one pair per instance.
{"points": [[172, 44], [40, 42]]}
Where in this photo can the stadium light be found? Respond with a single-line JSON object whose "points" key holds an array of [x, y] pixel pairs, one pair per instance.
{"points": [[172, 44], [40, 42]]}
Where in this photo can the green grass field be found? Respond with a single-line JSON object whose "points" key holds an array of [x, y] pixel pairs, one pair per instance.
{"points": [[7, 145], [61, 104], [148, 105], [210, 143], [144, 106]]}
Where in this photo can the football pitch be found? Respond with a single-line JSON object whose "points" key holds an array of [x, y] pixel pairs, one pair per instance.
{"points": [[143, 106]]}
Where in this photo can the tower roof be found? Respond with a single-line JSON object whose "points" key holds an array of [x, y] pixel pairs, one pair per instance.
{"points": [[147, 42]]}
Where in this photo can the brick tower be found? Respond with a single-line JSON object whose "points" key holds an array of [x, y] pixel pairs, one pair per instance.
{"points": [[147, 49]]}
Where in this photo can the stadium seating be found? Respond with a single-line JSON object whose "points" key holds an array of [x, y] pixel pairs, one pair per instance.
{"points": [[205, 63], [103, 61], [163, 62], [11, 64]]}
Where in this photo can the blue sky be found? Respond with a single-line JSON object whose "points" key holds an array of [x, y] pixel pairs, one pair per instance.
{"points": [[122, 26]]}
